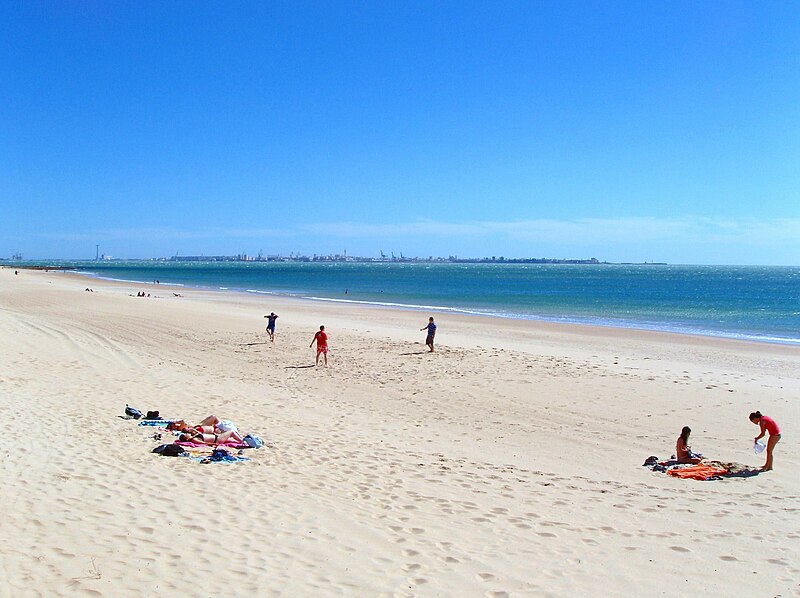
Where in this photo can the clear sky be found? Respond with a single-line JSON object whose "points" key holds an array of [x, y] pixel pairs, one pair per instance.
{"points": [[626, 131]]}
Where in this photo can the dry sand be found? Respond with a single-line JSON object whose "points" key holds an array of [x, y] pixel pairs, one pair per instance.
{"points": [[506, 464]]}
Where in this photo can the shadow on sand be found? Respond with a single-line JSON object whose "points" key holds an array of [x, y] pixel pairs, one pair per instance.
{"points": [[299, 367], [416, 353], [745, 473]]}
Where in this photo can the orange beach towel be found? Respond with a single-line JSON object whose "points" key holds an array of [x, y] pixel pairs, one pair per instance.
{"points": [[697, 472]]}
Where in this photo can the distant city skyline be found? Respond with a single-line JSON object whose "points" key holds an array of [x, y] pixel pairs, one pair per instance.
{"points": [[628, 132], [325, 257]]}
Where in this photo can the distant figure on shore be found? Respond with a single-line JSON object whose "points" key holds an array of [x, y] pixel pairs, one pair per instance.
{"points": [[322, 345], [767, 424], [683, 452], [431, 328], [16, 272], [271, 325]]}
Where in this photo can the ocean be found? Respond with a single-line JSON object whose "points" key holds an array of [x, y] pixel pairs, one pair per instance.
{"points": [[744, 302]]}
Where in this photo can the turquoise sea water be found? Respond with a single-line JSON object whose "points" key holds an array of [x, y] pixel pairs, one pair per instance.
{"points": [[756, 303]]}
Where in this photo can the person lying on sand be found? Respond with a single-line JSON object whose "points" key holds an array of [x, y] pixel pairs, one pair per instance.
{"points": [[192, 435], [683, 452], [210, 425]]}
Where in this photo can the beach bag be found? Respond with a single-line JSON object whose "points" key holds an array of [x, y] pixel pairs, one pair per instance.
{"points": [[170, 450], [152, 415], [133, 412], [253, 441]]}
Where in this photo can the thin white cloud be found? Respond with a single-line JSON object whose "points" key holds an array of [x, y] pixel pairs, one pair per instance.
{"points": [[584, 230], [581, 231]]}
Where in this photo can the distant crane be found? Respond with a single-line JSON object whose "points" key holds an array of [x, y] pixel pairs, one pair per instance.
{"points": [[383, 255]]}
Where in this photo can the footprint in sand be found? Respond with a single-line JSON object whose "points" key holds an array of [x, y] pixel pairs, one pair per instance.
{"points": [[679, 549], [777, 562]]}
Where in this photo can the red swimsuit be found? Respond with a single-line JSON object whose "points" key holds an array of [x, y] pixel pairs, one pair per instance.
{"points": [[770, 425]]}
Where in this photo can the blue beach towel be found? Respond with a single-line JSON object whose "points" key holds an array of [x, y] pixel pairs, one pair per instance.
{"points": [[228, 459]]}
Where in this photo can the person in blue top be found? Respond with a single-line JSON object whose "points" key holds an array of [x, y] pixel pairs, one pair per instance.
{"points": [[431, 328], [271, 325]]}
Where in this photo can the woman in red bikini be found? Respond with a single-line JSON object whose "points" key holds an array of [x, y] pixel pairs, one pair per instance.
{"points": [[192, 435], [767, 424], [210, 426]]}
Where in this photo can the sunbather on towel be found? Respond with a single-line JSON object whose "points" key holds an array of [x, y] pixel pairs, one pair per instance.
{"points": [[212, 439], [210, 425], [683, 452]]}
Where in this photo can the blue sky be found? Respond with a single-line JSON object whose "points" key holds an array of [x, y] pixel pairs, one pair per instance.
{"points": [[623, 131]]}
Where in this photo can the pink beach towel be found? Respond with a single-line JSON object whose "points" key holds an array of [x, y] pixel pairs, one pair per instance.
{"points": [[231, 444]]}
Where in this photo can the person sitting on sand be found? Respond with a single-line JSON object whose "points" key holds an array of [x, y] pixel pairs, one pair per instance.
{"points": [[683, 452], [212, 439], [767, 424]]}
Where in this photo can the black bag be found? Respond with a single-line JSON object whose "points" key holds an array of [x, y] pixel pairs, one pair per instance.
{"points": [[170, 450], [152, 415], [133, 412]]}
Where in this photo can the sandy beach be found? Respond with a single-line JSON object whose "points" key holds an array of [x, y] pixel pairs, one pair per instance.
{"points": [[508, 463]]}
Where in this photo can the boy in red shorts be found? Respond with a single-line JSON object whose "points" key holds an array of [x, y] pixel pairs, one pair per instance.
{"points": [[322, 345]]}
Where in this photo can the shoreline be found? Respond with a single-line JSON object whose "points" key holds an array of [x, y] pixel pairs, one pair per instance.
{"points": [[591, 322], [515, 329]]}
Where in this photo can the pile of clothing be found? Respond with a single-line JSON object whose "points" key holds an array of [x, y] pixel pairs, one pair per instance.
{"points": [[707, 470], [701, 471]]}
